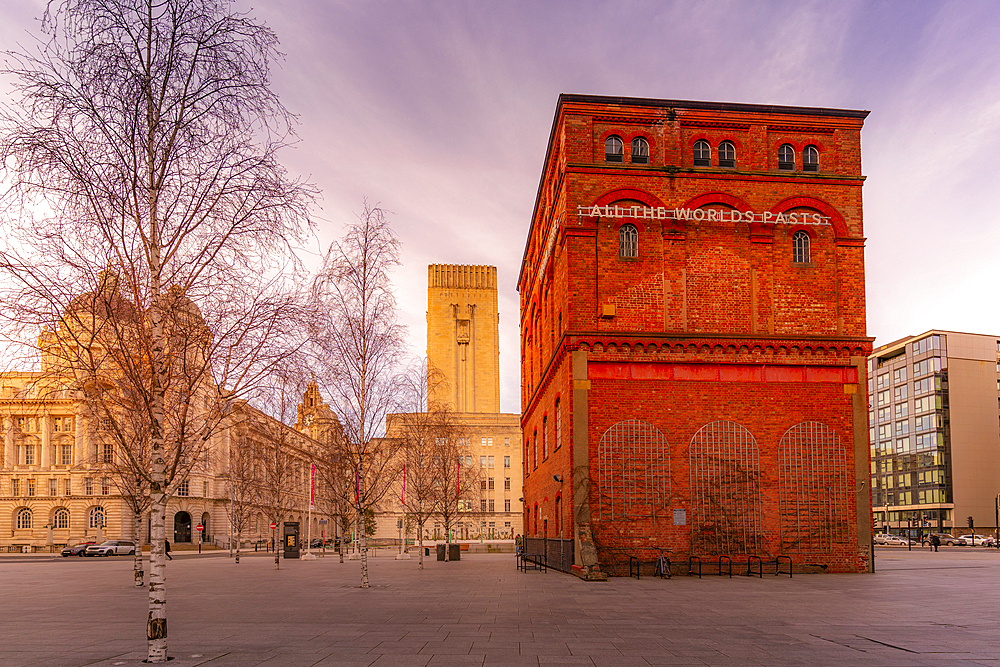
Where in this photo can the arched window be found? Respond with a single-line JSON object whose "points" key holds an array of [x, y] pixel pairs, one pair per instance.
{"points": [[810, 158], [60, 519], [614, 149], [97, 518], [786, 157], [702, 154], [800, 247], [727, 154], [558, 423], [23, 518], [633, 471], [628, 241], [545, 437], [640, 151]]}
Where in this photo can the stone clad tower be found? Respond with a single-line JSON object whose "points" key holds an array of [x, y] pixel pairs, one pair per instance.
{"points": [[463, 336]]}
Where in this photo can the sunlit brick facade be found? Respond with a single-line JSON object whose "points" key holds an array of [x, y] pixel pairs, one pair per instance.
{"points": [[693, 334]]}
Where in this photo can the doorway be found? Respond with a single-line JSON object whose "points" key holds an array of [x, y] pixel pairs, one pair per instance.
{"points": [[182, 527]]}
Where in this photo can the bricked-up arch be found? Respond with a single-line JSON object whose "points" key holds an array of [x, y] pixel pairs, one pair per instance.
{"points": [[812, 489], [633, 471], [725, 490]]}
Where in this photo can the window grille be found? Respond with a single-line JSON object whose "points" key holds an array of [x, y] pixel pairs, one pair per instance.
{"points": [[614, 149], [628, 241], [29, 455], [97, 518], [786, 157], [66, 455], [702, 154], [183, 489], [812, 489], [727, 154], [725, 490], [24, 519], [801, 252], [15, 487], [640, 151], [61, 518], [633, 471]]}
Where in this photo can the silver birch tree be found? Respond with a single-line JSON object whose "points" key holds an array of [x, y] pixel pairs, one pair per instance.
{"points": [[143, 139], [359, 346]]}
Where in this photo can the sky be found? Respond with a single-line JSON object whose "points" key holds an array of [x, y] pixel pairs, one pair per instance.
{"points": [[440, 112]]}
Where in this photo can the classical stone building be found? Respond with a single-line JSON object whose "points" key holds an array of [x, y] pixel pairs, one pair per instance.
{"points": [[693, 334], [60, 469]]}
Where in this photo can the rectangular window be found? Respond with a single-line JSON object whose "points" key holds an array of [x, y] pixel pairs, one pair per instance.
{"points": [[506, 442], [491, 459], [29, 455], [902, 428], [107, 453], [484, 442], [490, 486], [903, 444], [558, 423], [489, 442], [899, 375], [506, 483], [204, 489], [67, 424], [105, 486], [902, 409], [482, 484], [88, 486], [468, 461], [506, 462], [491, 505], [885, 432], [52, 487], [482, 504], [183, 489], [31, 487], [57, 424], [506, 506], [68, 491], [883, 381], [883, 397], [66, 455], [884, 414], [899, 393], [15, 487], [482, 461]]}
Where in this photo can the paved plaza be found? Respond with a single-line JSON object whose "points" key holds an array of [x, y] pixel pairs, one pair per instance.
{"points": [[921, 608]]}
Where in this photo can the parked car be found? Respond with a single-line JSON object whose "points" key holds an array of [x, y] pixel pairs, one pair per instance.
{"points": [[896, 540], [976, 540], [76, 549], [946, 539], [881, 538], [111, 548]]}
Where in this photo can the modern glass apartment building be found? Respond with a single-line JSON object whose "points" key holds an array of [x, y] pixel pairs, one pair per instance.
{"points": [[934, 431]]}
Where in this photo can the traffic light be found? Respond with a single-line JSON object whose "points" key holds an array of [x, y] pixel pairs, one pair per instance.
{"points": [[970, 522]]}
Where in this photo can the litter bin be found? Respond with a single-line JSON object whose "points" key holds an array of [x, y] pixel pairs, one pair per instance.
{"points": [[427, 551], [440, 551], [455, 552]]}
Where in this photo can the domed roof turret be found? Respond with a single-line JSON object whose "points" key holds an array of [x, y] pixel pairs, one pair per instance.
{"points": [[104, 302]]}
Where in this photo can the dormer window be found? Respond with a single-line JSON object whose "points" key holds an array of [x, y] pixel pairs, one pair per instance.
{"points": [[786, 157], [810, 158], [614, 149], [640, 151], [702, 154], [727, 154]]}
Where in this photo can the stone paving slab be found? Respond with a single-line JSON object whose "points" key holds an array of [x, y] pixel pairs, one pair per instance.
{"points": [[920, 608]]}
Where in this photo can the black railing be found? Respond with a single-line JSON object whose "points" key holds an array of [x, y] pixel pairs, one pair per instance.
{"points": [[558, 552], [729, 564], [691, 561]]}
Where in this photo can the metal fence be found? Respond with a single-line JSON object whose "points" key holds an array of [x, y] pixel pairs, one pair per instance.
{"points": [[558, 553]]}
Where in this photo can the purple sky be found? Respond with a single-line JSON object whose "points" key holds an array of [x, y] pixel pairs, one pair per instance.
{"points": [[440, 111]]}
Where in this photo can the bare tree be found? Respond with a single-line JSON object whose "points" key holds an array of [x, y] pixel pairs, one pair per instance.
{"points": [[359, 345], [244, 483], [459, 479], [145, 140], [421, 431]]}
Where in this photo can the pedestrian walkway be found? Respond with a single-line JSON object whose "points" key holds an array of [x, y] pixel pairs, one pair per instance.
{"points": [[920, 608]]}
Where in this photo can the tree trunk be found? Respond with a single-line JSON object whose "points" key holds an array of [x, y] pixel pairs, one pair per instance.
{"points": [[363, 545], [156, 629], [239, 539], [137, 565], [447, 540], [420, 548]]}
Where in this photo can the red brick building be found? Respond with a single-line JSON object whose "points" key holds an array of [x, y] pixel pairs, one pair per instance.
{"points": [[693, 334]]}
